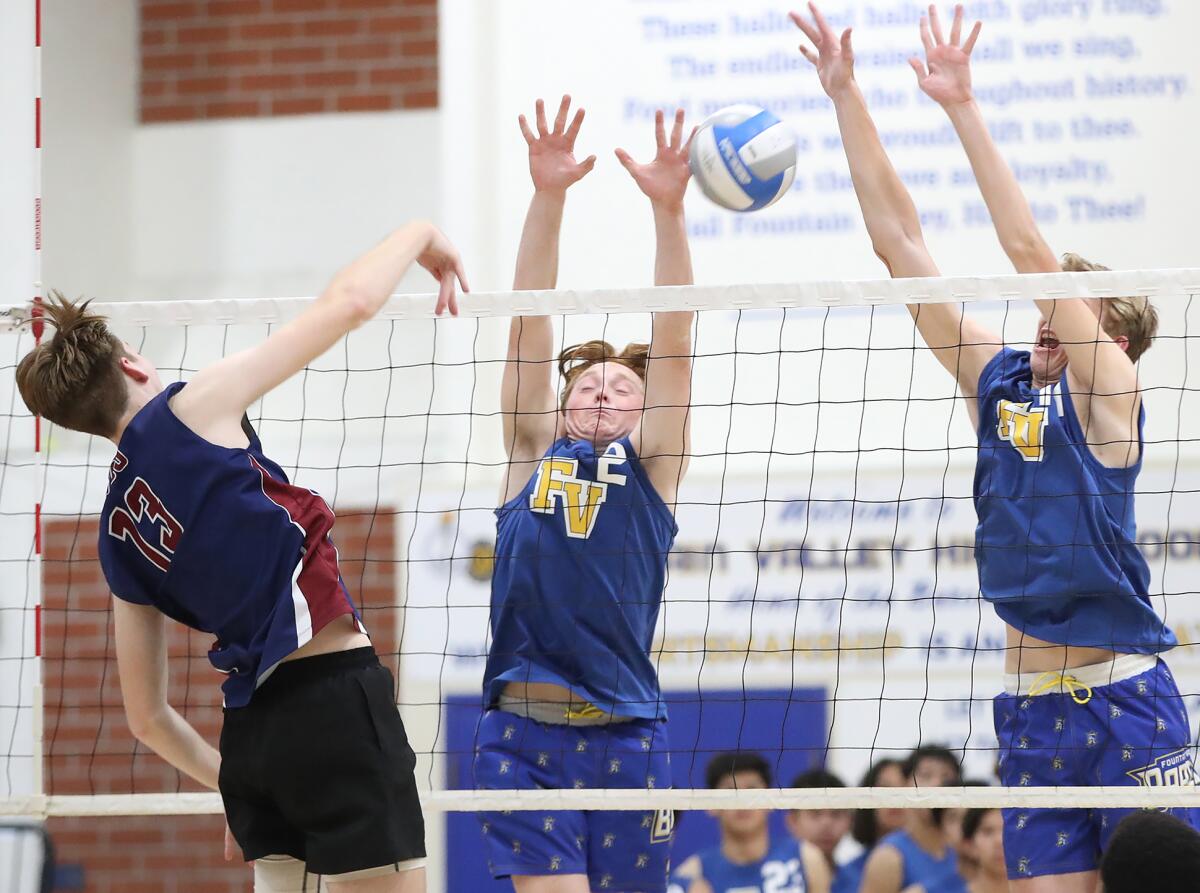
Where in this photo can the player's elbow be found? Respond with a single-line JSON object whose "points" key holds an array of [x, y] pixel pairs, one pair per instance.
{"points": [[891, 240], [353, 302], [145, 721]]}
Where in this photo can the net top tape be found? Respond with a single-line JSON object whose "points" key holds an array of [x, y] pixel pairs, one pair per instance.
{"points": [[809, 798], [839, 293]]}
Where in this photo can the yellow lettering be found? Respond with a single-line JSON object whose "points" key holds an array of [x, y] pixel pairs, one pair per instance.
{"points": [[1022, 426], [551, 475], [581, 499]]}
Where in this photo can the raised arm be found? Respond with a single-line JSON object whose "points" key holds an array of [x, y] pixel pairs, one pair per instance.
{"points": [[963, 347], [527, 388], [1096, 363], [664, 438], [216, 398]]}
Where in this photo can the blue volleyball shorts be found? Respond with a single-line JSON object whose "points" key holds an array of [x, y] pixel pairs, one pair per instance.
{"points": [[617, 850], [1118, 723]]}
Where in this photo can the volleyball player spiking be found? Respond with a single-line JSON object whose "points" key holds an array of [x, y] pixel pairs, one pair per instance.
{"points": [[1087, 700], [200, 526], [583, 533]]}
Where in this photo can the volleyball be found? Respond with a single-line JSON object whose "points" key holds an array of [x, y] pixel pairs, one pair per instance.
{"points": [[744, 158]]}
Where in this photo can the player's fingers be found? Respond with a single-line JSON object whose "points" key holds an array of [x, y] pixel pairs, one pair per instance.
{"points": [[560, 120], [972, 37], [926, 37], [956, 25], [677, 130], [847, 46], [808, 54], [445, 291], [660, 130], [541, 118], [809, 31], [461, 273], [525, 131], [822, 25], [587, 164], [935, 25], [626, 160], [576, 123], [918, 66]]}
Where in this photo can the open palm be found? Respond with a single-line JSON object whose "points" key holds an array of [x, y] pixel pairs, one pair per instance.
{"points": [[664, 180], [552, 163], [945, 76], [834, 56]]}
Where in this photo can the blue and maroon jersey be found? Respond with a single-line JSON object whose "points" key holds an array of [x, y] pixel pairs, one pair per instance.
{"points": [[219, 540]]}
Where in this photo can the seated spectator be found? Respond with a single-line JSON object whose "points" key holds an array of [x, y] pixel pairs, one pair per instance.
{"points": [[921, 854], [747, 860], [823, 828], [870, 825], [981, 851]]}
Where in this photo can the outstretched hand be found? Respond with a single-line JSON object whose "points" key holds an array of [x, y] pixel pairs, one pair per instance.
{"points": [[947, 79], [664, 180], [552, 163], [834, 57], [442, 261]]}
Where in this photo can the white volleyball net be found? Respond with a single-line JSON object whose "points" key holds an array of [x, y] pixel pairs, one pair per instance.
{"points": [[822, 602]]}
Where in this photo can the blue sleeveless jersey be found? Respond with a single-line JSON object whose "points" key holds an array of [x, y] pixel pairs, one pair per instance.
{"points": [[217, 539], [1056, 538], [934, 875], [581, 557], [782, 871]]}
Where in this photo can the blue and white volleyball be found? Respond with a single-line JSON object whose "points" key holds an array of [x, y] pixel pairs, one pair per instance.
{"points": [[744, 158]]}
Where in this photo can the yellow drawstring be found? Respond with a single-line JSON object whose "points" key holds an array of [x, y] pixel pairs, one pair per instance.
{"points": [[1050, 681], [587, 711]]}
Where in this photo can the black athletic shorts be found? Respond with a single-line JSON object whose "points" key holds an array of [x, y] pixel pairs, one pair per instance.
{"points": [[318, 767]]}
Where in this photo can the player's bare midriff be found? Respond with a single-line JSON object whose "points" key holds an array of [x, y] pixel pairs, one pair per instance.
{"points": [[544, 693], [341, 634], [1025, 654]]}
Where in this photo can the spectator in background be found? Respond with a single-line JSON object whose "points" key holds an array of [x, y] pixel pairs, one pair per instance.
{"points": [[922, 852], [981, 851], [869, 826], [1151, 851], [747, 860], [823, 828]]}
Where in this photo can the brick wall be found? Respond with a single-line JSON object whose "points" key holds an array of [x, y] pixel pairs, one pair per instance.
{"points": [[88, 746], [249, 58]]}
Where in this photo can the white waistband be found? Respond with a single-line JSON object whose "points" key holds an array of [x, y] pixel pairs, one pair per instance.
{"points": [[1091, 676]]}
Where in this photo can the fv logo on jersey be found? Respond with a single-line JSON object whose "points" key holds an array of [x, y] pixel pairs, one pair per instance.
{"points": [[558, 482]]}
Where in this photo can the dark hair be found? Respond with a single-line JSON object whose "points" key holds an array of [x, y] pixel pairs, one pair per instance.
{"points": [[817, 778], [973, 819], [74, 378], [578, 358], [1151, 851], [724, 764], [931, 752], [865, 827]]}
